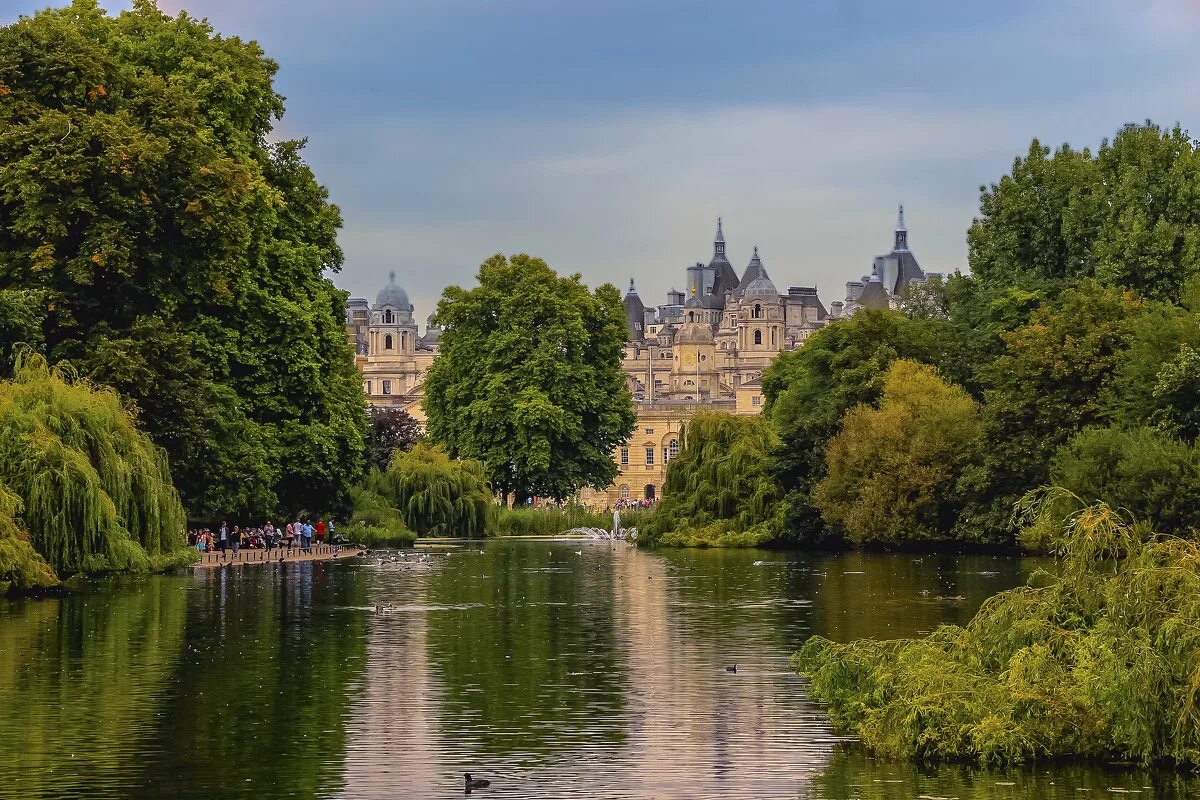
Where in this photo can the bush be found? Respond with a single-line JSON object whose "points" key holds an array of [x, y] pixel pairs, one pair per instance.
{"points": [[1096, 661], [22, 568]]}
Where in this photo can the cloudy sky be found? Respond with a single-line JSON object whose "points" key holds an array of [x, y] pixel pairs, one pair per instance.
{"points": [[606, 136]]}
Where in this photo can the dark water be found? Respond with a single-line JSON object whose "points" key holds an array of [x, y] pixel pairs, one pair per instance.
{"points": [[551, 673]]}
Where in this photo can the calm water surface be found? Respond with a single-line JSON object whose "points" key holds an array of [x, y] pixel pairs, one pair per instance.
{"points": [[553, 668]]}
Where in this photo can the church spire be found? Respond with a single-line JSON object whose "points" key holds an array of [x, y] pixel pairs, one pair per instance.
{"points": [[719, 240], [632, 290], [901, 232]]}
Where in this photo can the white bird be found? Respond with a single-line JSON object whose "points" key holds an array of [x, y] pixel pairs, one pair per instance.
{"points": [[578, 552]]}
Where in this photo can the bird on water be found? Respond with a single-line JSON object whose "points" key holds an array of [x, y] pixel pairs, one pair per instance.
{"points": [[476, 783], [731, 668]]}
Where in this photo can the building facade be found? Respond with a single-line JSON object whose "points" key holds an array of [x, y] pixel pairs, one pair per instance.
{"points": [[705, 348]]}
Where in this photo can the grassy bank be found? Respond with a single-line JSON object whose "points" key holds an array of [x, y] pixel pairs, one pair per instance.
{"points": [[547, 520]]}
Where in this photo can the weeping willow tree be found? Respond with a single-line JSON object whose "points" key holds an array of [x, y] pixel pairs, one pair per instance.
{"points": [[435, 494], [21, 567], [96, 494], [719, 489], [1101, 659], [375, 521]]}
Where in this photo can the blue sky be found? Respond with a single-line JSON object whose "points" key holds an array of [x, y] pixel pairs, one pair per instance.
{"points": [[606, 137]]}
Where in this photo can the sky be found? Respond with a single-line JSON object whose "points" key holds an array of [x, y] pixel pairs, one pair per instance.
{"points": [[607, 136]]}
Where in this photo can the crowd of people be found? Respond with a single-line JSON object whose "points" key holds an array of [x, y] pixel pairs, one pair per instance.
{"points": [[295, 536], [622, 505]]}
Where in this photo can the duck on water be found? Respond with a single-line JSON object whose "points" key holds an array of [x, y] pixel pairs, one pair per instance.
{"points": [[476, 783]]}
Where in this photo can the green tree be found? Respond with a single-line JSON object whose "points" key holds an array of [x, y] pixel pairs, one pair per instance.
{"points": [[179, 256], [528, 378], [1125, 216], [391, 429], [1140, 471], [1049, 384], [810, 389], [719, 489], [435, 494], [95, 492], [1177, 396], [22, 313], [892, 470]]}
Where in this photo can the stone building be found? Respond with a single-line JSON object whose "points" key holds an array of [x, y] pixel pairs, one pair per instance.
{"points": [[390, 356], [705, 348]]}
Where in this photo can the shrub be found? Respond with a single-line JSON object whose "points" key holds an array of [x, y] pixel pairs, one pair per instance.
{"points": [[1098, 660]]}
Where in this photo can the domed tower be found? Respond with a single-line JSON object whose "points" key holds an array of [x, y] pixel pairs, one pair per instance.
{"points": [[393, 331], [694, 368], [760, 316]]}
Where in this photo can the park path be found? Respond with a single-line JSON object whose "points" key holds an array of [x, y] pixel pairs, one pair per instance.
{"points": [[318, 552]]}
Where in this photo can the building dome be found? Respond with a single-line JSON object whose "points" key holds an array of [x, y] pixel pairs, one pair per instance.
{"points": [[761, 289], [694, 333], [393, 295]]}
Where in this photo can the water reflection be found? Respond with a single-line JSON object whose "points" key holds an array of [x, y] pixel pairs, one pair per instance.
{"points": [[551, 668]]}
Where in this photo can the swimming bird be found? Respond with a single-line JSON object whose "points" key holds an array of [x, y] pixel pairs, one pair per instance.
{"points": [[578, 552], [477, 783], [731, 668]]}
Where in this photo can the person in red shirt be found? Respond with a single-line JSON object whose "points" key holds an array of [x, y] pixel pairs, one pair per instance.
{"points": [[320, 531]]}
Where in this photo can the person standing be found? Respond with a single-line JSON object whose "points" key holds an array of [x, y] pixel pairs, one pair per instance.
{"points": [[223, 539], [236, 539], [329, 531], [291, 536], [268, 536], [320, 531], [308, 536]]}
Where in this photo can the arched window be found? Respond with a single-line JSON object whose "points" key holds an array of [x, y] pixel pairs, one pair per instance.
{"points": [[757, 311], [773, 337], [691, 316], [757, 336], [388, 318], [387, 341], [649, 491], [672, 449], [623, 492]]}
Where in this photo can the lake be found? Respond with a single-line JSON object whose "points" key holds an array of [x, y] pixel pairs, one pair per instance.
{"points": [[552, 668]]}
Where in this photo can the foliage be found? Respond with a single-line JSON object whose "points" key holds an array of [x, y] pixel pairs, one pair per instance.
{"points": [[22, 313], [892, 471], [177, 256], [1139, 470], [1125, 216], [547, 520], [1048, 385], [528, 379], [719, 490], [96, 493], [375, 522], [809, 390], [1097, 660], [21, 567], [390, 429], [436, 495], [1176, 395]]}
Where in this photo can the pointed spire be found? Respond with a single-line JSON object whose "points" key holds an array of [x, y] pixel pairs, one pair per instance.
{"points": [[720, 234], [632, 290], [392, 276], [901, 242]]}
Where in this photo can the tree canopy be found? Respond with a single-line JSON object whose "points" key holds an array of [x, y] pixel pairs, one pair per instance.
{"points": [[391, 429], [528, 378], [892, 470], [165, 248]]}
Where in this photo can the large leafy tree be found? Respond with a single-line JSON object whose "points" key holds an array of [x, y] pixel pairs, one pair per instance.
{"points": [[1127, 215], [892, 470], [177, 255], [528, 379], [391, 429], [809, 390]]}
